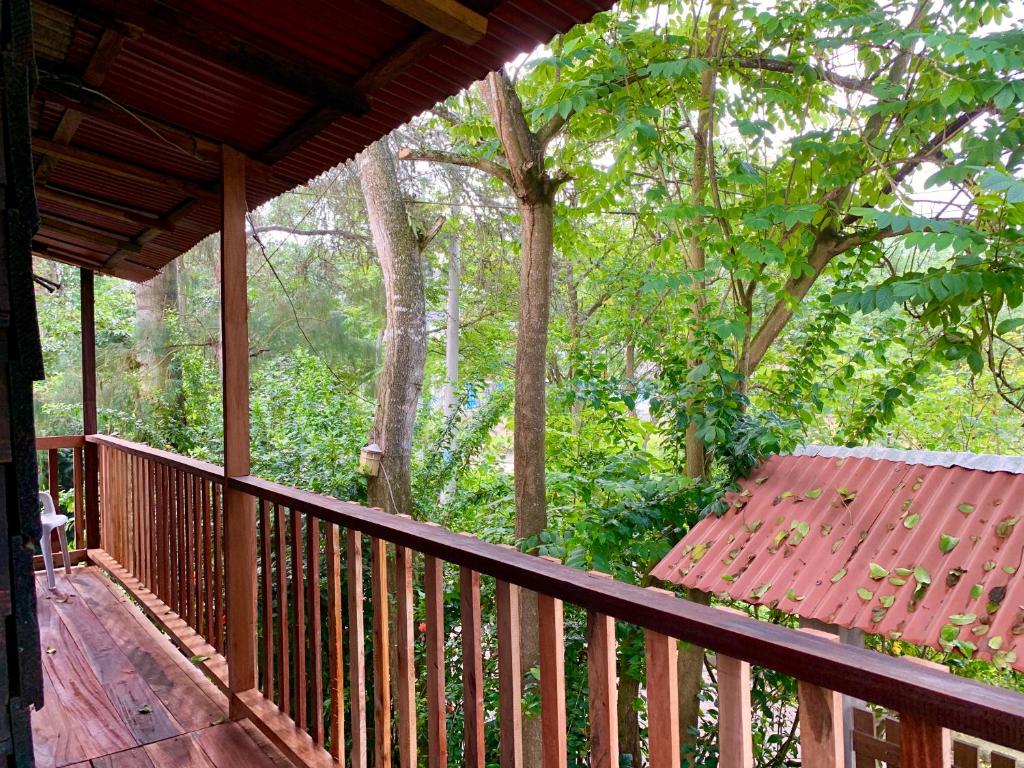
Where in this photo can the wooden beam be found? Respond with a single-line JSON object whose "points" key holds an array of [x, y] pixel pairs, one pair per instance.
{"points": [[239, 508], [103, 208], [90, 422], [200, 38], [308, 127], [448, 17], [121, 168], [98, 236], [109, 46]]}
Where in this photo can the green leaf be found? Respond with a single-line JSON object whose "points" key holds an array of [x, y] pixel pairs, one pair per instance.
{"points": [[947, 543], [839, 576], [877, 572], [886, 600], [995, 642], [865, 594], [963, 619], [758, 593], [813, 493], [976, 591], [921, 576], [966, 508], [911, 521]]}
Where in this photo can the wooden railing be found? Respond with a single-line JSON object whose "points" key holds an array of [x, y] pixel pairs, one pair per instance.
{"points": [[340, 589], [66, 452]]}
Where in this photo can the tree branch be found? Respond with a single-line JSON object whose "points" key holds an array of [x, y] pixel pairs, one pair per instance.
{"points": [[451, 158], [788, 68]]}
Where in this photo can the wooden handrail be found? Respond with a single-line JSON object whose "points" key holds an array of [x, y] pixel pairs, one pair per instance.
{"points": [[973, 708], [203, 469], [985, 711], [51, 442]]}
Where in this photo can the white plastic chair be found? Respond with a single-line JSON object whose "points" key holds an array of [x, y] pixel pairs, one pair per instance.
{"points": [[51, 519]]}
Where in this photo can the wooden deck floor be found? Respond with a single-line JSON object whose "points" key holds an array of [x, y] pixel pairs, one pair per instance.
{"points": [[120, 695]]}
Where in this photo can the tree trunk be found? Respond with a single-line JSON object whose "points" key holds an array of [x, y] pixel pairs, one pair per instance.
{"points": [[535, 191], [451, 345], [153, 300], [405, 334]]}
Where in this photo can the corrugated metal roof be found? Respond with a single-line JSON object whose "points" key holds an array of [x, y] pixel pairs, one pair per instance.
{"points": [[840, 539], [214, 99], [987, 462]]}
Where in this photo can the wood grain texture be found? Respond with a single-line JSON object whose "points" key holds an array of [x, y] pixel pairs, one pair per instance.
{"points": [[437, 702], [356, 647], [662, 700], [735, 746], [267, 647], [406, 660], [472, 670], [298, 626], [284, 658], [510, 675], [315, 632], [821, 723], [924, 743], [552, 681], [335, 645], [381, 654], [603, 691]]}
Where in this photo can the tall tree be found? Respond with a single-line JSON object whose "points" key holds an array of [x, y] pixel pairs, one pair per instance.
{"points": [[155, 300], [405, 335]]}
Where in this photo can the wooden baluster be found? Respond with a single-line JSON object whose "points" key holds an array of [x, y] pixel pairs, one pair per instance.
{"points": [[472, 668], [175, 570], [197, 526], [335, 651], [141, 506], [821, 721], [208, 524], [284, 658], [53, 476], [735, 744], [77, 459], [299, 605], [662, 700], [218, 562], [966, 756], [356, 647], [316, 722], [924, 744], [381, 651], [510, 676], [406, 705], [267, 648], [552, 681], [437, 700], [604, 724], [160, 552]]}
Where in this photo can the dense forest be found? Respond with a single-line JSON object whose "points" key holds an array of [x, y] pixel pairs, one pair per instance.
{"points": [[575, 302]]}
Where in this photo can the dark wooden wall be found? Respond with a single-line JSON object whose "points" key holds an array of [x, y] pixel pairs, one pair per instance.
{"points": [[20, 364]]}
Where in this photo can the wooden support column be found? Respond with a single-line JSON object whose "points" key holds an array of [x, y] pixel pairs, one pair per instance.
{"points": [[239, 509], [90, 424], [821, 722], [924, 744]]}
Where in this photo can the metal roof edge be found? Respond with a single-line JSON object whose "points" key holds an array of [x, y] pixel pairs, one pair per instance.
{"points": [[986, 462]]}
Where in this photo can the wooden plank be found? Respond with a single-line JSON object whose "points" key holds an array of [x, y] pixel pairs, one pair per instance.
{"points": [[298, 620], [510, 676], [239, 509], [140, 708], [98, 726], [822, 743], [662, 700], [406, 659], [218, 563], [55, 732], [133, 758], [381, 654], [228, 744], [281, 730], [923, 743], [78, 478], [603, 692], [195, 467], [284, 658], [335, 649], [735, 742], [155, 661], [472, 670], [208, 548], [356, 647], [89, 418], [552, 680], [267, 594], [316, 684], [448, 17], [437, 701], [185, 751], [46, 442]]}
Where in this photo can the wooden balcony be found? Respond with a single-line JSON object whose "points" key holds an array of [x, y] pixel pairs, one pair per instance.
{"points": [[119, 694], [354, 606]]}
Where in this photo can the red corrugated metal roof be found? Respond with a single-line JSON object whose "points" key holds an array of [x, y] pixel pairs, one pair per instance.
{"points": [[215, 99], [850, 541]]}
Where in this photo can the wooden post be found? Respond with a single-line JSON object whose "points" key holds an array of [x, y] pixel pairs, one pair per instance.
{"points": [[662, 700], [924, 744], [604, 723], [91, 459], [822, 744], [239, 509]]}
